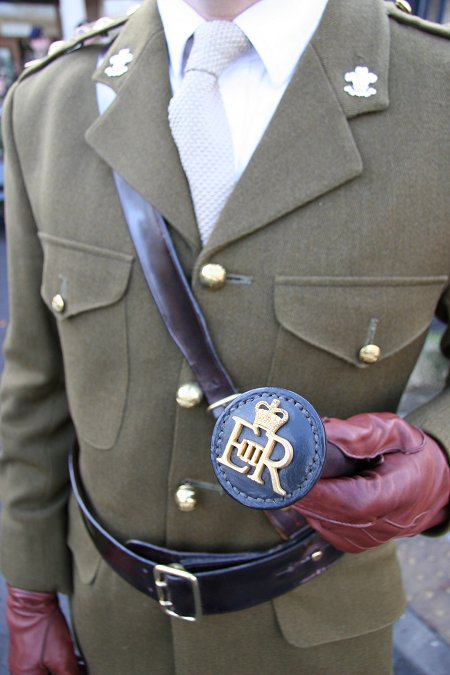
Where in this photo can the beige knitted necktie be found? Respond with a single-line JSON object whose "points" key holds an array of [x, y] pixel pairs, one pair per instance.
{"points": [[199, 124]]}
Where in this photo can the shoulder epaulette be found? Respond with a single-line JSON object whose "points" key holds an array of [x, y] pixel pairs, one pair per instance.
{"points": [[401, 12], [101, 32]]}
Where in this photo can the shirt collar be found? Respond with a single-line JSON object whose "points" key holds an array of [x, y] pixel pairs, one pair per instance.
{"points": [[179, 21], [279, 30]]}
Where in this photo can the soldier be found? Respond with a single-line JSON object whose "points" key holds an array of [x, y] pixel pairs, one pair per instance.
{"points": [[308, 206]]}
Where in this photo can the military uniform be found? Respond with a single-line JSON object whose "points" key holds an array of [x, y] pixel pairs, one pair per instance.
{"points": [[335, 238]]}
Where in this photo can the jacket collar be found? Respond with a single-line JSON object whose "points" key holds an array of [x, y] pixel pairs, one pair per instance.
{"points": [[308, 148]]}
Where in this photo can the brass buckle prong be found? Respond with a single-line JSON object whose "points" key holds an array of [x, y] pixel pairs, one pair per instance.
{"points": [[160, 573]]}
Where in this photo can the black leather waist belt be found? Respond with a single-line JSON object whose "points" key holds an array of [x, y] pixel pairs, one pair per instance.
{"points": [[188, 584]]}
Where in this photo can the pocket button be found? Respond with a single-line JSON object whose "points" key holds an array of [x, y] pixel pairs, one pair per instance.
{"points": [[58, 304], [189, 395], [213, 276], [186, 498], [369, 354]]}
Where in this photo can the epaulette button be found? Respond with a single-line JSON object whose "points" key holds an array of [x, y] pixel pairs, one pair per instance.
{"points": [[404, 6], [56, 46]]}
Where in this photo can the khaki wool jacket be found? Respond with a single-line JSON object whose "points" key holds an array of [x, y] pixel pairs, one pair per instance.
{"points": [[337, 234]]}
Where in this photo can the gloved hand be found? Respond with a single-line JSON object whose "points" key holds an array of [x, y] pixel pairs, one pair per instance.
{"points": [[39, 639], [402, 488]]}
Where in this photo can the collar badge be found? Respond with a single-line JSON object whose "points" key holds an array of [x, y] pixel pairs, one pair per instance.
{"points": [[361, 79], [119, 63]]}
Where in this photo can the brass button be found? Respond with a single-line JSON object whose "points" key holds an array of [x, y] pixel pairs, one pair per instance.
{"points": [[404, 6], [213, 276], [316, 556], [189, 395], [58, 304], [186, 497], [369, 354]]}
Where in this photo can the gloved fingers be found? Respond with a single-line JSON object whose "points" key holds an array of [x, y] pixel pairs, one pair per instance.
{"points": [[371, 435], [58, 654], [403, 496], [361, 499], [17, 669], [39, 638], [400, 489], [356, 540]]}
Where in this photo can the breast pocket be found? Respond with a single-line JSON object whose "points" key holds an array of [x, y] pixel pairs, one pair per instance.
{"points": [[350, 343], [84, 287]]}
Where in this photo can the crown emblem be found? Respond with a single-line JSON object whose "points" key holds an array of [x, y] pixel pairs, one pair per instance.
{"points": [[270, 417]]}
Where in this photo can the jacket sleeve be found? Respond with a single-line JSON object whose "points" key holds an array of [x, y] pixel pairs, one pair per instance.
{"points": [[36, 430], [433, 417]]}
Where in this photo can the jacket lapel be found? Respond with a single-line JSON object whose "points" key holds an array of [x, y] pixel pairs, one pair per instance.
{"points": [[308, 148], [133, 135]]}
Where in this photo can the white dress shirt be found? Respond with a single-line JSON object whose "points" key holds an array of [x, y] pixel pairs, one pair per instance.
{"points": [[252, 87]]}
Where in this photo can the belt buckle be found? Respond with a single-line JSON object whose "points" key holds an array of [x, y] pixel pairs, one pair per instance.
{"points": [[160, 573]]}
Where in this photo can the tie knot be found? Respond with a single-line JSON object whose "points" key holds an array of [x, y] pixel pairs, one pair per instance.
{"points": [[216, 45]]}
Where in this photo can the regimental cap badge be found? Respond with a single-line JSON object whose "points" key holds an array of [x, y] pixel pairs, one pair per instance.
{"points": [[119, 63], [268, 448], [360, 80]]}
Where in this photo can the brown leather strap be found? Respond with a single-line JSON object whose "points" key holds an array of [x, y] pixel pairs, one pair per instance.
{"points": [[172, 293], [179, 308]]}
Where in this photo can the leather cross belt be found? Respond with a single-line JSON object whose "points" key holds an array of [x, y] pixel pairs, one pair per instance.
{"points": [[188, 584]]}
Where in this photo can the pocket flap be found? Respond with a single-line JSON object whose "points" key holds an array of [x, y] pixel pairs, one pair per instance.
{"points": [[342, 314], [86, 277], [361, 593]]}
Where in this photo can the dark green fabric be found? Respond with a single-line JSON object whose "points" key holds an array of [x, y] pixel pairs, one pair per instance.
{"points": [[341, 223]]}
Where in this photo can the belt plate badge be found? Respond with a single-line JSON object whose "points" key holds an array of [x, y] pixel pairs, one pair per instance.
{"points": [[268, 448]]}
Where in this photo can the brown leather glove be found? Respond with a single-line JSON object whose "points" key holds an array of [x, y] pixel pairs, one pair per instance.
{"points": [[402, 488], [39, 639]]}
